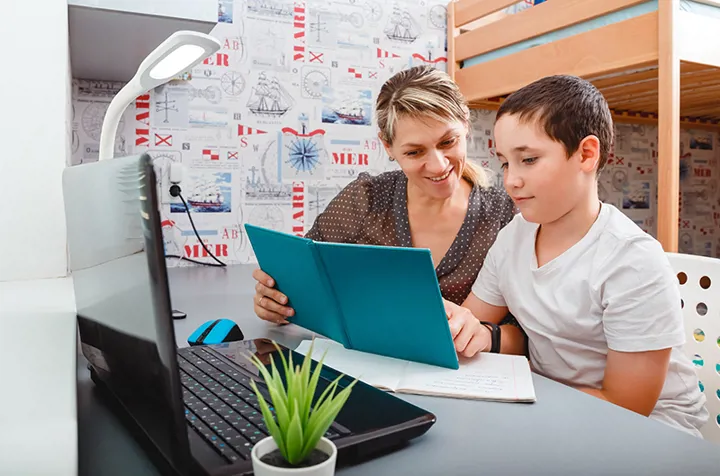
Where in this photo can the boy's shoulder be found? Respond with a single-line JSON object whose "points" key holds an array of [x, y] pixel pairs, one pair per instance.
{"points": [[624, 236], [624, 250]]}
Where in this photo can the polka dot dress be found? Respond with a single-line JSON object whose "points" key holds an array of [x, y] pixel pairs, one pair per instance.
{"points": [[373, 210]]}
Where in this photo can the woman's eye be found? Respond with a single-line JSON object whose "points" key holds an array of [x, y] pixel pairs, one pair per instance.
{"points": [[449, 142], [529, 160], [503, 165], [411, 153]]}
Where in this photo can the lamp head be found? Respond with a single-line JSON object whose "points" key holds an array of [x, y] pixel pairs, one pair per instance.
{"points": [[179, 52]]}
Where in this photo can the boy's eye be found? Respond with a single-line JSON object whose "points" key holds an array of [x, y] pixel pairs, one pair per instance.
{"points": [[448, 142], [529, 160], [503, 165]]}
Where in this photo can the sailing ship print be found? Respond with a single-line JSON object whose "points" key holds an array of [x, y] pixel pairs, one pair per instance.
{"points": [[353, 107], [352, 114], [269, 98], [401, 27], [209, 194]]}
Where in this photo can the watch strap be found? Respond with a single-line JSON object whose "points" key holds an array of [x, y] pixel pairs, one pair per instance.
{"points": [[495, 334]]}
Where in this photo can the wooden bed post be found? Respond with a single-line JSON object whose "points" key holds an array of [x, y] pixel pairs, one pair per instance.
{"points": [[668, 213], [451, 33]]}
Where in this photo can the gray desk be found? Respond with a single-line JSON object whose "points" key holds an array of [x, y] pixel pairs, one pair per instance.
{"points": [[564, 433]]}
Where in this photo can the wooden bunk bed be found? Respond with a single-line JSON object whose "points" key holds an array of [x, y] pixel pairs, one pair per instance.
{"points": [[654, 60]]}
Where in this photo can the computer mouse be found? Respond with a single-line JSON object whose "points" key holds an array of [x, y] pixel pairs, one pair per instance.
{"points": [[215, 332]]}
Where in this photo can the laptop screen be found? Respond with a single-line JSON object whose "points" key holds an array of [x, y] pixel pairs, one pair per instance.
{"points": [[123, 305]]}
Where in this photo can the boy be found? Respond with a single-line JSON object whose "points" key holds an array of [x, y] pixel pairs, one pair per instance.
{"points": [[595, 295]]}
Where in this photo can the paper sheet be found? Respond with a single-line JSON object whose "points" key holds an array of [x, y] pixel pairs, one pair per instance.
{"points": [[485, 376], [376, 370]]}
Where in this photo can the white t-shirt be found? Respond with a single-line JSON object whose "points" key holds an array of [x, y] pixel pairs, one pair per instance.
{"points": [[614, 289]]}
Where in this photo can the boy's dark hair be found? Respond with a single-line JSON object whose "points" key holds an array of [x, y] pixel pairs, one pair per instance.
{"points": [[568, 108]]}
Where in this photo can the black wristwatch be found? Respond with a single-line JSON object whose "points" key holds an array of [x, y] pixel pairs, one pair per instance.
{"points": [[495, 333]]}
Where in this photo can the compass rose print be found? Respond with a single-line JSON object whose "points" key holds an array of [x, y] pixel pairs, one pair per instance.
{"points": [[304, 151]]}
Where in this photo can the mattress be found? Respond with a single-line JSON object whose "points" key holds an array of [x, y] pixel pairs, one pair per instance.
{"points": [[599, 22]]}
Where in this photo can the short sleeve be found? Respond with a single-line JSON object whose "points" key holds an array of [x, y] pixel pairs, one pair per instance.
{"points": [[343, 218], [641, 299], [487, 284]]}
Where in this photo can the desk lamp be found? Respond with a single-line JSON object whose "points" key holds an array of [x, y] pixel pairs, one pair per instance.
{"points": [[180, 52]]}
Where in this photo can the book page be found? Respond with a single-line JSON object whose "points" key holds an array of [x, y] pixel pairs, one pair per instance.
{"points": [[376, 370], [485, 377]]}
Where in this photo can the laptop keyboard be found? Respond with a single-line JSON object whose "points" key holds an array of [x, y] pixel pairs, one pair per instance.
{"points": [[221, 406]]}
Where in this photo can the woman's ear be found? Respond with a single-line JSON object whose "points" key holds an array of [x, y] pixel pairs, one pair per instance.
{"points": [[385, 145]]}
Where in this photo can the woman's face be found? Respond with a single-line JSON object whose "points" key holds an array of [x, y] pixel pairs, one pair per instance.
{"points": [[431, 153]]}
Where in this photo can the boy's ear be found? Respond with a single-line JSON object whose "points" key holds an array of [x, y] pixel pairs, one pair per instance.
{"points": [[589, 151]]}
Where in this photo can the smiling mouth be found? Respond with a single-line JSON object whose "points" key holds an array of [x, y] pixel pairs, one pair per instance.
{"points": [[521, 199], [443, 176]]}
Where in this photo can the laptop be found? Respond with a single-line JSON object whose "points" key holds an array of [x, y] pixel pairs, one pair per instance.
{"points": [[191, 408]]}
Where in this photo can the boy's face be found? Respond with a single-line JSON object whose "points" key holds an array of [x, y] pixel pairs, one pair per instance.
{"points": [[542, 180]]}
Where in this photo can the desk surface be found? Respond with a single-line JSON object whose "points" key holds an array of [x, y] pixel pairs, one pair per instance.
{"points": [[564, 432]]}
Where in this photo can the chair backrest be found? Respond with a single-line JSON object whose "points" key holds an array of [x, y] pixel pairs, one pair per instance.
{"points": [[699, 280]]}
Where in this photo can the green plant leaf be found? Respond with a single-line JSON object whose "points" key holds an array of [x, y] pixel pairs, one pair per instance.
{"points": [[272, 427], [312, 384], [295, 426], [294, 439], [277, 391], [279, 399], [305, 396], [324, 416]]}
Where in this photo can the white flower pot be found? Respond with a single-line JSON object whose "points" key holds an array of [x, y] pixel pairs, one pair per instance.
{"points": [[266, 445]]}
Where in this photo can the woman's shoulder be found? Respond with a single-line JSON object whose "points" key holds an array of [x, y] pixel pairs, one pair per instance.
{"points": [[378, 189], [496, 204]]}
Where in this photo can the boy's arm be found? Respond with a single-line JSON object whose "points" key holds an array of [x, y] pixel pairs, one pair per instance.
{"points": [[484, 303], [512, 338], [633, 380], [642, 321]]}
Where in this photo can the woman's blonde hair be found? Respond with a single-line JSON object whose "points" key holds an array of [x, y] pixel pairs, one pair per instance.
{"points": [[423, 91]]}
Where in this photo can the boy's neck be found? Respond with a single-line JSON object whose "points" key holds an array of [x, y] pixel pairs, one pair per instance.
{"points": [[554, 238]]}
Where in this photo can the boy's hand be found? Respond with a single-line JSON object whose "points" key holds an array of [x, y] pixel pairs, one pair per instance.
{"points": [[469, 336]]}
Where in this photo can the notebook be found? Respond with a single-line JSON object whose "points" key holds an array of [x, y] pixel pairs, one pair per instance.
{"points": [[378, 299], [497, 377]]}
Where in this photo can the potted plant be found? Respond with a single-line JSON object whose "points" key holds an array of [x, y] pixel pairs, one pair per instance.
{"points": [[296, 444]]}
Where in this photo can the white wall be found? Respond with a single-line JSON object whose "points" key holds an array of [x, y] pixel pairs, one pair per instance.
{"points": [[205, 10], [34, 98]]}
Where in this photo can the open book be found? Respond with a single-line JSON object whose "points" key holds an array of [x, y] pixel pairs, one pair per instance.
{"points": [[361, 296], [484, 377]]}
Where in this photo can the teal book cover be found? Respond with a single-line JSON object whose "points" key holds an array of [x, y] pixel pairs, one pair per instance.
{"points": [[379, 299]]}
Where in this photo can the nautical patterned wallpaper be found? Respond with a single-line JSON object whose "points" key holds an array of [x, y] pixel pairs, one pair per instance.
{"points": [[281, 118]]}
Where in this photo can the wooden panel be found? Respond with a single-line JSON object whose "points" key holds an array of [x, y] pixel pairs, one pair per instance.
{"points": [[470, 10], [638, 90], [607, 81], [625, 44], [668, 127], [452, 33], [532, 22], [697, 38], [648, 101]]}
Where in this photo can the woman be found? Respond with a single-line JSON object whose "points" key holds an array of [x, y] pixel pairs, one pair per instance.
{"points": [[438, 200]]}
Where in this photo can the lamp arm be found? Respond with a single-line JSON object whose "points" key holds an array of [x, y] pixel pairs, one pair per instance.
{"points": [[112, 117]]}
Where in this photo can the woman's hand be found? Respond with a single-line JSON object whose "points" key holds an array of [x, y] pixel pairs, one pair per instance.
{"points": [[269, 302], [469, 336]]}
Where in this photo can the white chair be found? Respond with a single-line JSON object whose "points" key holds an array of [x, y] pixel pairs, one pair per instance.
{"points": [[699, 280]]}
